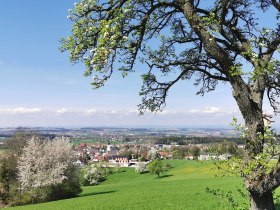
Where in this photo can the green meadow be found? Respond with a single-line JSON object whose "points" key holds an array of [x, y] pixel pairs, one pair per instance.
{"points": [[181, 187]]}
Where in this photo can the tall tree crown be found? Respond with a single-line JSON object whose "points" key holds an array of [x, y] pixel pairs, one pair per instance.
{"points": [[206, 41]]}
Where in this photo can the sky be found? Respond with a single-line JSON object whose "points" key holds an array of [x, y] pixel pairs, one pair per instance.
{"points": [[40, 87]]}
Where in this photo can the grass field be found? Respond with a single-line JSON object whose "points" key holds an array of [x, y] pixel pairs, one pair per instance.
{"points": [[182, 187]]}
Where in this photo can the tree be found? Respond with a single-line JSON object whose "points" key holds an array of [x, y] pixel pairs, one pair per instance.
{"points": [[206, 42], [141, 167], [195, 151], [225, 147], [153, 154], [18, 142], [155, 167], [180, 152], [45, 168], [7, 176], [93, 174], [8, 166]]}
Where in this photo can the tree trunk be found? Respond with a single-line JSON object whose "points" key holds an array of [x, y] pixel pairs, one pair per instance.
{"points": [[263, 202]]}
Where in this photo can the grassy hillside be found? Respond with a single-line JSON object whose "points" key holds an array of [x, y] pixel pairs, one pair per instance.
{"points": [[182, 187]]}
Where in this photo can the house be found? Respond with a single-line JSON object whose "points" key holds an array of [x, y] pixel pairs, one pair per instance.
{"points": [[121, 160], [164, 155], [98, 158]]}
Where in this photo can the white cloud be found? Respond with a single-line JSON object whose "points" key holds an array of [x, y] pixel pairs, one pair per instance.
{"points": [[91, 111], [61, 111], [20, 110], [206, 110], [95, 111], [67, 116], [214, 110]]}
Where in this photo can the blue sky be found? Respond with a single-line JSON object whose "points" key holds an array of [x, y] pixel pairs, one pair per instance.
{"points": [[39, 86]]}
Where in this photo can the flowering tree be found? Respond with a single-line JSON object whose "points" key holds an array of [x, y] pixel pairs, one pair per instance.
{"points": [[44, 164], [153, 154], [141, 167], [93, 174], [206, 41]]}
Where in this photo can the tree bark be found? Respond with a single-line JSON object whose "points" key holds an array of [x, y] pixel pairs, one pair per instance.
{"points": [[262, 202]]}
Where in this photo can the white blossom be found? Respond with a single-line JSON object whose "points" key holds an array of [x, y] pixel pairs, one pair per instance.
{"points": [[141, 167], [43, 163]]}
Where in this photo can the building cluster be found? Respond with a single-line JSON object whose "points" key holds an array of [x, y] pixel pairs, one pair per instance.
{"points": [[127, 155]]}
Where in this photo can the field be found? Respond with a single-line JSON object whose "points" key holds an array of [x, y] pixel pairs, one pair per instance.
{"points": [[182, 187], [93, 141]]}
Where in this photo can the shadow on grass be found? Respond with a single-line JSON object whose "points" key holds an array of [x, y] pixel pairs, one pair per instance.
{"points": [[164, 176], [97, 193], [145, 172]]}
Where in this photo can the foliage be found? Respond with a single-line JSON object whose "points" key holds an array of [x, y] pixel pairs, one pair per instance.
{"points": [[224, 148], [230, 198], [153, 154], [125, 153], [195, 151], [8, 167], [141, 159], [18, 142], [141, 167], [195, 140], [7, 177], [248, 166], [46, 170], [180, 152], [70, 187], [155, 167], [111, 32], [93, 174]]}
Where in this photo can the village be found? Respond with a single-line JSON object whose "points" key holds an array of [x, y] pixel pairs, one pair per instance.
{"points": [[128, 155]]}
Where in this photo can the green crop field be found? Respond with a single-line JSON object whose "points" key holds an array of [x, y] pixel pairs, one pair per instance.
{"points": [[182, 187]]}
